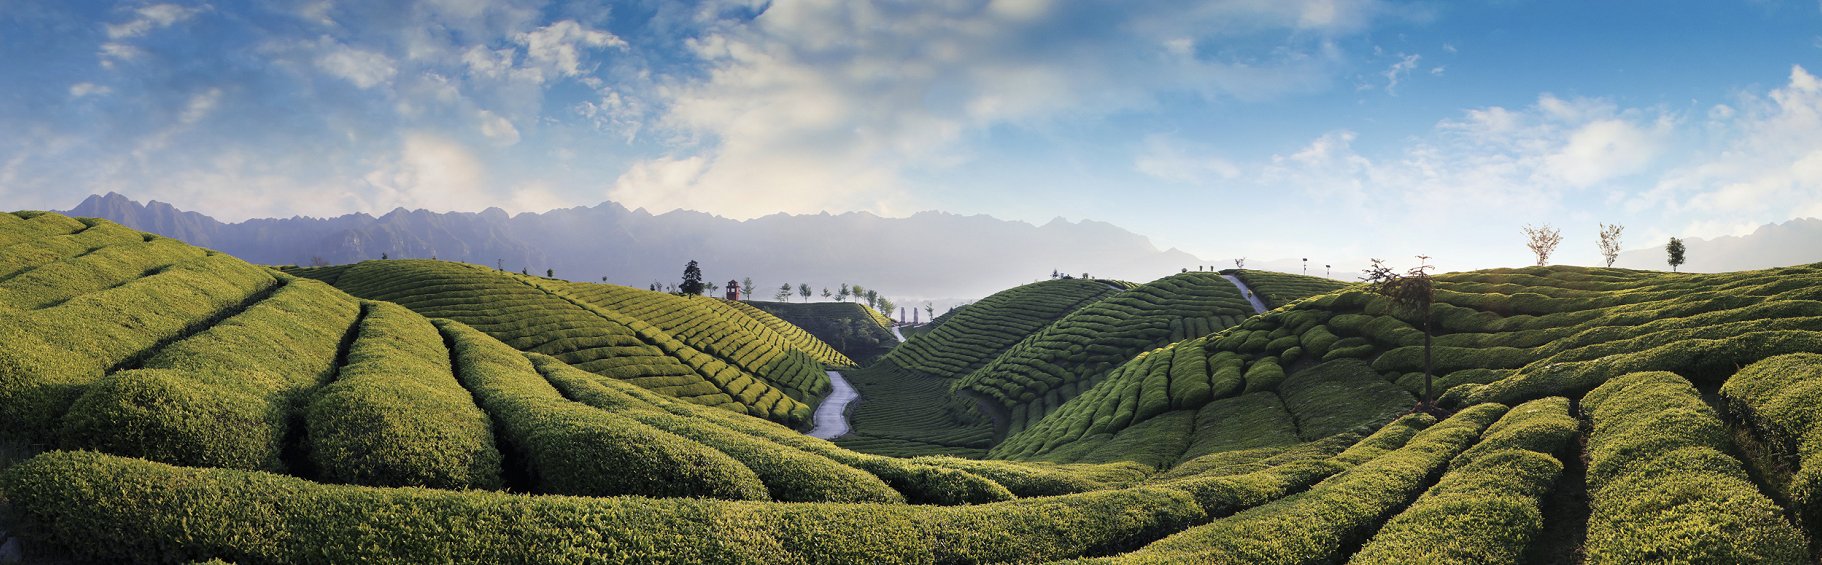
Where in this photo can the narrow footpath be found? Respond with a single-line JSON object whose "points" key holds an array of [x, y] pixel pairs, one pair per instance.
{"points": [[1258, 305], [832, 415], [895, 333]]}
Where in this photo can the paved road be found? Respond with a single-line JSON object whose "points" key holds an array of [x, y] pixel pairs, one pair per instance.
{"points": [[900, 336], [1258, 305], [832, 415]]}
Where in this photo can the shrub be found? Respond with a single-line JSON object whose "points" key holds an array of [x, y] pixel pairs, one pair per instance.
{"points": [[570, 448], [1313, 526], [224, 397], [395, 415], [1780, 398], [789, 474], [53, 354], [1263, 375], [1488, 507], [106, 508], [1661, 484]]}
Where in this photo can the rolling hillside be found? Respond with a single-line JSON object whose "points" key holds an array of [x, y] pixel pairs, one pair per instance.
{"points": [[1055, 364], [858, 332], [914, 412], [700, 350], [184, 405]]}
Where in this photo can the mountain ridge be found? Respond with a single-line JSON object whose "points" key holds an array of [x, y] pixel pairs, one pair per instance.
{"points": [[636, 247]]}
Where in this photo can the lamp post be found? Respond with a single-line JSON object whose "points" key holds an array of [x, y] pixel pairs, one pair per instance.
{"points": [[1325, 271], [1306, 266]]}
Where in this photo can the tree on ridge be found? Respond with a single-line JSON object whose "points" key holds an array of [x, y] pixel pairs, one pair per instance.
{"points": [[1542, 241], [1610, 242], [692, 279], [1675, 249], [1411, 293]]}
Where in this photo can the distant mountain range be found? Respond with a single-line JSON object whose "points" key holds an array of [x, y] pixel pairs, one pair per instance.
{"points": [[1795, 242], [927, 256]]}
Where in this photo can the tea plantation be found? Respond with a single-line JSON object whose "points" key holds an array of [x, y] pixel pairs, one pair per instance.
{"points": [[163, 403], [698, 349]]}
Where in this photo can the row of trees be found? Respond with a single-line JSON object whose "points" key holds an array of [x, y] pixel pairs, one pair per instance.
{"points": [[1543, 241], [694, 285]]}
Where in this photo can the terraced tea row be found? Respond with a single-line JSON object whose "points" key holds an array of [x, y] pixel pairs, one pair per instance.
{"points": [[716, 357], [975, 335], [1278, 289], [1065, 358]]}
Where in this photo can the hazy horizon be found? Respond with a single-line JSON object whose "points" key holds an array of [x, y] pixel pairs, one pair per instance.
{"points": [[1330, 129]]}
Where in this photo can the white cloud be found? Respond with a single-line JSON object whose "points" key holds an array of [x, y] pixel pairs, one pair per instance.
{"points": [[1399, 70], [497, 128], [1766, 167], [557, 48], [1604, 150], [365, 69], [430, 172], [82, 89], [149, 18], [824, 105]]}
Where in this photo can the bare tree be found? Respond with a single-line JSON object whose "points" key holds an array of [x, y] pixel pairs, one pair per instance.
{"points": [[1610, 242], [1240, 263], [1542, 241], [1411, 293], [318, 261]]}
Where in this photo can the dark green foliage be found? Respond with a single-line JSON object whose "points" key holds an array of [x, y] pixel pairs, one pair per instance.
{"points": [[972, 336], [224, 397], [571, 448], [1660, 481], [1082, 348], [1278, 289], [1336, 396], [395, 415], [858, 332], [906, 414], [1248, 421]]}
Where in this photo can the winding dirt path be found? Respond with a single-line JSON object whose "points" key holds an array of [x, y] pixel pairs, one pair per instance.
{"points": [[1258, 305], [832, 415]]}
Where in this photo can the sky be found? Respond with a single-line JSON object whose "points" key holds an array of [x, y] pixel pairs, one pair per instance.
{"points": [[1271, 129]]}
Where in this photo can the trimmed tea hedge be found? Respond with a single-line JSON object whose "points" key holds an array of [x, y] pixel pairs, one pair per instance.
{"points": [[107, 508], [1780, 398], [1661, 483], [224, 397], [395, 415], [791, 475], [571, 448], [52, 354], [1314, 526], [974, 335], [1488, 507]]}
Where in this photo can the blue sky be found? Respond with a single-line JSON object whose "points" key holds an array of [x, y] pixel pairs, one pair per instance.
{"points": [[1333, 129]]}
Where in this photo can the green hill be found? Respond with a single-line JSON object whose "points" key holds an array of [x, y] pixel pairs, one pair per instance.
{"points": [[1049, 367], [1277, 289], [183, 405], [858, 332], [697, 349], [913, 411]]}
